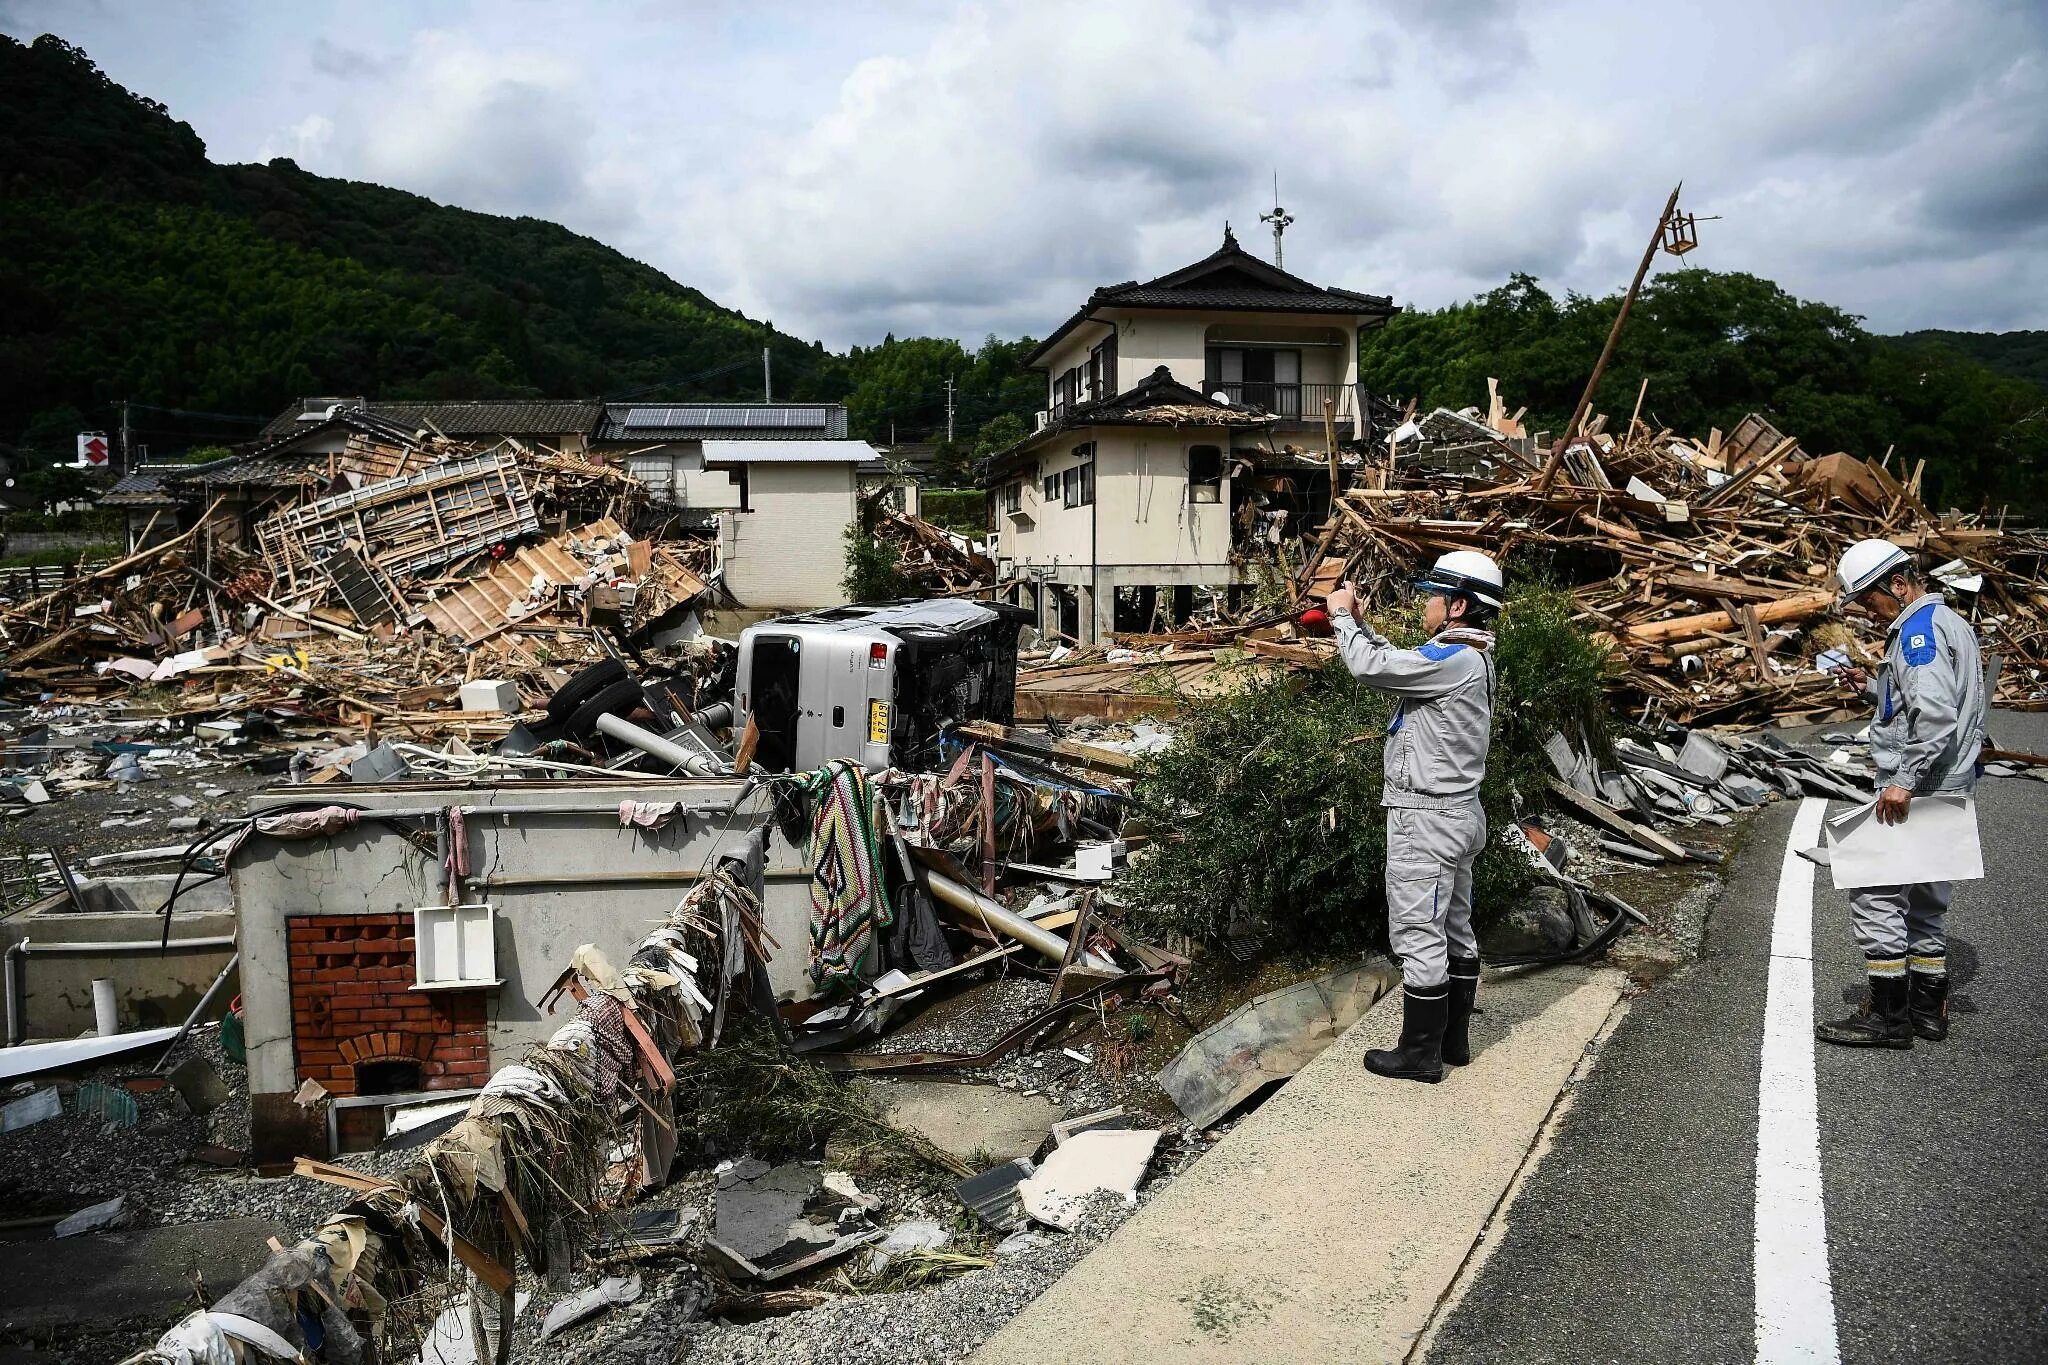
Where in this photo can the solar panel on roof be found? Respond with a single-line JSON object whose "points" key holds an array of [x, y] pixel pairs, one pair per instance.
{"points": [[778, 417]]}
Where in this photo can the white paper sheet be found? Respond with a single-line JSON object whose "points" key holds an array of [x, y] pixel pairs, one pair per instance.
{"points": [[1937, 843]]}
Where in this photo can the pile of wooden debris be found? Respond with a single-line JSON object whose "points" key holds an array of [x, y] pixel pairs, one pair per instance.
{"points": [[365, 585], [937, 561], [1708, 564]]}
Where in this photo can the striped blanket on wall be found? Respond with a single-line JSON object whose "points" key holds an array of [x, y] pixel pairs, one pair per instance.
{"points": [[848, 905]]}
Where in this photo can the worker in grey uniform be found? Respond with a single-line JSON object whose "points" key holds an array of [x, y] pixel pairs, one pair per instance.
{"points": [[1927, 738], [1435, 760]]}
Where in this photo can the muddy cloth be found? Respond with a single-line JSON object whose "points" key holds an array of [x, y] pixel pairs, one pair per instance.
{"points": [[848, 904], [308, 824], [916, 942]]}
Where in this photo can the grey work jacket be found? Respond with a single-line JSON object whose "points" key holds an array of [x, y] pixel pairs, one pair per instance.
{"points": [[1438, 738], [1931, 707]]}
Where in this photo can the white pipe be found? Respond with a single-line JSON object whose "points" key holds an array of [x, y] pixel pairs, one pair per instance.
{"points": [[1041, 941], [147, 945], [647, 742], [106, 1009]]}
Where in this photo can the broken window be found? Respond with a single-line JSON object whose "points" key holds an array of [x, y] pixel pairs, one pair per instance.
{"points": [[1070, 488], [1013, 496], [1205, 474]]}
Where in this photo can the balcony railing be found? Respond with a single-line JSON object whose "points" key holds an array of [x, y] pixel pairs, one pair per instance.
{"points": [[1302, 401]]}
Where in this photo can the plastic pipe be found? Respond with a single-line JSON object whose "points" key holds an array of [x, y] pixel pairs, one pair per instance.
{"points": [[106, 1008], [1041, 941], [647, 742]]}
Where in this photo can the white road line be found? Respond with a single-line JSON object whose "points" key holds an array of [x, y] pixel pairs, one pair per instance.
{"points": [[1795, 1300]]}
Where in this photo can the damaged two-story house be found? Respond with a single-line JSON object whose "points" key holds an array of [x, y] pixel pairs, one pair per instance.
{"points": [[1181, 413]]}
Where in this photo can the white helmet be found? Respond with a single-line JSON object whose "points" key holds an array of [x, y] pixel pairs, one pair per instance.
{"points": [[1868, 563], [1465, 573]]}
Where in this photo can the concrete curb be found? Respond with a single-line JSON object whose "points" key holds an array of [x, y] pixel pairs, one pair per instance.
{"points": [[1329, 1224]]}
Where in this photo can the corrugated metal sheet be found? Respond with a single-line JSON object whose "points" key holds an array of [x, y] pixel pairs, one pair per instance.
{"points": [[788, 452]]}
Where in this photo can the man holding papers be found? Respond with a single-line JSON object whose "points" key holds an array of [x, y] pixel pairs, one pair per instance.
{"points": [[1931, 717]]}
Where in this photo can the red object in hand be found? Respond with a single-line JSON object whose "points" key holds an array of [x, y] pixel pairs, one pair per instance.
{"points": [[1315, 621]]}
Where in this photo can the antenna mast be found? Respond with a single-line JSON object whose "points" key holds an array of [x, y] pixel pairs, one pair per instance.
{"points": [[1280, 218]]}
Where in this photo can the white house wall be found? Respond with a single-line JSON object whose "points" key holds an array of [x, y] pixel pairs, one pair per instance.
{"points": [[1179, 340], [1141, 515], [789, 549]]}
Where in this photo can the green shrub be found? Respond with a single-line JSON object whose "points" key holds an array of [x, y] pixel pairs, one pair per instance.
{"points": [[1267, 802], [89, 520], [872, 572], [62, 555]]}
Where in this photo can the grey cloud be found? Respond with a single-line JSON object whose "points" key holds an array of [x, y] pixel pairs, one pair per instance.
{"points": [[344, 63]]}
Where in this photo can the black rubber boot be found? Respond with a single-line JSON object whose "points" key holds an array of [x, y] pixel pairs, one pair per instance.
{"points": [[1419, 1056], [1457, 1033], [1927, 1004], [1882, 1021]]}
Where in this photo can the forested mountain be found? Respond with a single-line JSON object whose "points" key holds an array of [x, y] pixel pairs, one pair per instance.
{"points": [[131, 267]]}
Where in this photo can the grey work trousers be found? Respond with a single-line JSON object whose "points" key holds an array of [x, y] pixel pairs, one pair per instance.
{"points": [[1429, 889], [1894, 923]]}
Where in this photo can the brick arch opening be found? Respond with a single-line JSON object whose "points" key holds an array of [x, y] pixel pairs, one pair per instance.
{"points": [[353, 1006]]}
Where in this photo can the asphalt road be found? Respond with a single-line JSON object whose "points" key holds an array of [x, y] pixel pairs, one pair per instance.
{"points": [[1633, 1239]]}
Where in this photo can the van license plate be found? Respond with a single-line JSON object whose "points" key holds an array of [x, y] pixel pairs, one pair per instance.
{"points": [[878, 722]]}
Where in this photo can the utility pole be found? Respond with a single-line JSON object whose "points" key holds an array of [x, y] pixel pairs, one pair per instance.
{"points": [[1281, 220], [949, 412], [1628, 300], [126, 462], [767, 377]]}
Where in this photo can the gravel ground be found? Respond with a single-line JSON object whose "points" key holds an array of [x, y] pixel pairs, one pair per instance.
{"points": [[942, 1323], [68, 1162]]}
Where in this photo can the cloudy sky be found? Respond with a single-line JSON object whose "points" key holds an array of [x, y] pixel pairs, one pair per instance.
{"points": [[847, 169]]}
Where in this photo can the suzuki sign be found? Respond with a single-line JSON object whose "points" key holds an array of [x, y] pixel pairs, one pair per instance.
{"points": [[92, 450]]}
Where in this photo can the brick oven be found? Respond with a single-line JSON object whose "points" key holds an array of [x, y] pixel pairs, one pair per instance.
{"points": [[359, 1027]]}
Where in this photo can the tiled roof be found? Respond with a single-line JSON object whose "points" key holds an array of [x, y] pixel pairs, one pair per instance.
{"points": [[723, 421], [143, 487], [1228, 279], [510, 417], [278, 470], [1156, 400]]}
